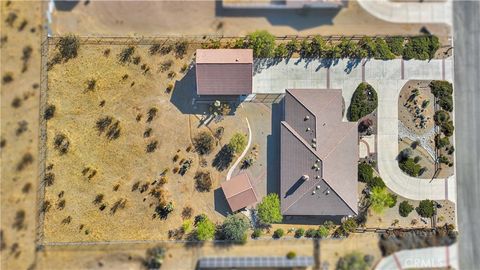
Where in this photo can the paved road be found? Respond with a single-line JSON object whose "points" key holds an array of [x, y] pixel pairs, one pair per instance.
{"points": [[408, 12], [467, 119]]}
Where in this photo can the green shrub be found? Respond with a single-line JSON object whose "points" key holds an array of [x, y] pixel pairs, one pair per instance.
{"points": [[376, 182], [348, 226], [278, 233], [440, 141], [311, 233], [380, 198], [410, 167], [364, 101], [203, 143], [421, 47], [256, 233], [205, 229], [187, 226], [447, 128], [396, 45], [382, 51], [365, 172], [281, 51], [348, 48], [268, 210], [405, 209], [367, 44], [426, 208], [68, 46], [417, 159], [299, 233], [353, 261], [323, 231], [291, 255], [238, 142], [441, 117], [234, 228], [262, 43], [317, 46], [293, 46]]}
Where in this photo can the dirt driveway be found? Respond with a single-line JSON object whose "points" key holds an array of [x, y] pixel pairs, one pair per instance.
{"points": [[210, 18]]}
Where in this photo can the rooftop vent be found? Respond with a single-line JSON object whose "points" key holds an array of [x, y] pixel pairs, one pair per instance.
{"points": [[314, 146], [317, 161], [313, 192], [318, 187], [306, 118], [317, 177], [315, 166], [314, 140], [308, 129], [328, 192], [305, 177]]}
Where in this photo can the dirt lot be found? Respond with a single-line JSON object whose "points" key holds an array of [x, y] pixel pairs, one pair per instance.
{"points": [[19, 131], [208, 17], [122, 169], [407, 106]]}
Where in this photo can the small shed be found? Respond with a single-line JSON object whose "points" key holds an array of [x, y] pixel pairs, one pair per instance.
{"points": [[224, 71], [239, 192]]}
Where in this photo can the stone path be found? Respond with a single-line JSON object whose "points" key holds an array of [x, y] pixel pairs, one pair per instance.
{"points": [[404, 132]]}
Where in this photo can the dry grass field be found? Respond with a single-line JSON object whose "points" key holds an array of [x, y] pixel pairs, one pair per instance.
{"points": [[106, 186], [20, 71]]}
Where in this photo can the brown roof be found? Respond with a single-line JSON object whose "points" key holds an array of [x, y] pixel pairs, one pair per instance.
{"points": [[313, 133], [239, 192], [224, 71]]}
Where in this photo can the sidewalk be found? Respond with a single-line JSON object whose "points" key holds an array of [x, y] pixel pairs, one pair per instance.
{"points": [[407, 12]]}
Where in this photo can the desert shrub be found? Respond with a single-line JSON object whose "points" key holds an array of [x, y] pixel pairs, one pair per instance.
{"points": [[205, 229], [421, 47], [49, 112], [299, 233], [187, 212], [22, 127], [234, 228], [380, 198], [16, 102], [19, 221], [49, 179], [203, 143], [119, 204], [348, 226], [106, 53], [353, 261], [61, 143], [68, 47], [203, 181], [151, 147], [152, 112], [291, 255], [269, 209], [426, 208], [395, 44], [166, 65], [11, 18], [256, 233], [404, 154], [382, 50], [154, 48], [223, 158], [405, 209], [91, 84], [154, 258], [164, 209], [26, 54], [323, 231], [187, 226], [262, 43], [169, 88], [365, 172], [410, 167], [103, 123], [98, 199], [126, 54], [364, 101], [7, 78], [278, 233], [238, 142], [417, 159], [181, 48]]}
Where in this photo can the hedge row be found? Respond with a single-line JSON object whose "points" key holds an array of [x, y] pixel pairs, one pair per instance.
{"points": [[264, 45]]}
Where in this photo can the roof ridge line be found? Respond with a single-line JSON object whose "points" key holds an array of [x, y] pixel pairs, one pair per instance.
{"points": [[339, 141]]}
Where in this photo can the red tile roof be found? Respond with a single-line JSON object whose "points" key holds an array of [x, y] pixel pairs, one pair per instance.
{"points": [[239, 192], [224, 71]]}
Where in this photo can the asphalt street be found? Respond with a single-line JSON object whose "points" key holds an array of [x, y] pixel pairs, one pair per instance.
{"points": [[467, 120]]}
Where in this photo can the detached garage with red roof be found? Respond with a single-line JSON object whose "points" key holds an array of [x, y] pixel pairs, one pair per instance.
{"points": [[224, 71]]}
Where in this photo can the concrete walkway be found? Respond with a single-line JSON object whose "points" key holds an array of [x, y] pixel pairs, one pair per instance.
{"points": [[434, 257], [408, 12], [245, 151]]}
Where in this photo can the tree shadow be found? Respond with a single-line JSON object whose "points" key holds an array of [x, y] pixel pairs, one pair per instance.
{"points": [[299, 19], [220, 201], [273, 150], [352, 64]]}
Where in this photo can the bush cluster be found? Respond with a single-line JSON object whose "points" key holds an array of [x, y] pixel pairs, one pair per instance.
{"points": [[443, 90], [426, 208], [405, 208], [365, 174], [364, 101]]}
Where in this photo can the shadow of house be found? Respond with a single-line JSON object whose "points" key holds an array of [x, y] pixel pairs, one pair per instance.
{"points": [[299, 19], [221, 204], [65, 5], [185, 98], [273, 150]]}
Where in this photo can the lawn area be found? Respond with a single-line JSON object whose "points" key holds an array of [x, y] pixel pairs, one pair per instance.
{"points": [[118, 144]]}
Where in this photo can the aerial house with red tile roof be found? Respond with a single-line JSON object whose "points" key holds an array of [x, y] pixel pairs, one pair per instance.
{"points": [[318, 156]]}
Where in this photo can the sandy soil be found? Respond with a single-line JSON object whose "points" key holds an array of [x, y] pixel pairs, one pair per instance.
{"points": [[19, 102], [122, 162], [406, 115], [209, 18]]}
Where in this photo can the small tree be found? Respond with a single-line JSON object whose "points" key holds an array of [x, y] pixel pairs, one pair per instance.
{"points": [[269, 209], [323, 231], [278, 233], [381, 198], [365, 172], [299, 233], [262, 43], [234, 228], [203, 181], [238, 142], [405, 209], [205, 229], [203, 143], [426, 208]]}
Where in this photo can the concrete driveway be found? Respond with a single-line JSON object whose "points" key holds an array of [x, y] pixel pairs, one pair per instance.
{"points": [[387, 77]]}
